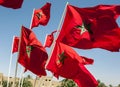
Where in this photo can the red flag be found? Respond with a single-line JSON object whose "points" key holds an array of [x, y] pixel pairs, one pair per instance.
{"points": [[65, 62], [73, 29], [87, 60], [49, 39], [41, 16], [84, 78], [32, 55], [15, 4], [15, 44], [100, 24]]}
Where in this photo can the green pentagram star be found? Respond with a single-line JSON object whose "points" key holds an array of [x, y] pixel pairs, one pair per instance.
{"points": [[39, 15], [28, 50], [82, 28], [62, 57]]}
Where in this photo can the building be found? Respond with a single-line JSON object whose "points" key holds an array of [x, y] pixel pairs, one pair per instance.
{"points": [[43, 81]]}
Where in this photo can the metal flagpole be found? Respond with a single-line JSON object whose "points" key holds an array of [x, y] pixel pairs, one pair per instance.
{"points": [[39, 84], [45, 40], [35, 81], [17, 59], [22, 72], [22, 80], [58, 29], [10, 62], [32, 18]]}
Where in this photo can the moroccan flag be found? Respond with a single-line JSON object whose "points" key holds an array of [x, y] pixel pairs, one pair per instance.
{"points": [[65, 62], [32, 55], [100, 25], [15, 4], [73, 29], [84, 78], [15, 44], [41, 16], [87, 60], [49, 39]]}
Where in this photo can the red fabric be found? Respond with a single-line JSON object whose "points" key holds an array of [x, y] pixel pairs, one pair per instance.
{"points": [[34, 59], [49, 39], [69, 32], [84, 78], [100, 22], [15, 4], [15, 44], [41, 16], [71, 66], [87, 60]]}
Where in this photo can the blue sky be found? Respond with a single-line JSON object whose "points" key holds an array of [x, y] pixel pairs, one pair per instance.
{"points": [[106, 64]]}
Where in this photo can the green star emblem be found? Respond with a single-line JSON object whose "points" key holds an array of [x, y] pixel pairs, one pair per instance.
{"points": [[62, 57], [39, 15], [82, 28], [28, 50]]}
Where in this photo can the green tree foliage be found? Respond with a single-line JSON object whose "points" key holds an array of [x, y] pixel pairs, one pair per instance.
{"points": [[29, 77], [110, 85], [68, 83], [27, 83], [101, 84], [118, 85], [4, 83]]}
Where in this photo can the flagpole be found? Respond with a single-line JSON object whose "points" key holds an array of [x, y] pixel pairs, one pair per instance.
{"points": [[39, 84], [58, 29], [36, 75], [10, 62], [45, 40], [22, 72], [32, 18], [17, 59], [22, 80], [35, 81], [40, 80]]}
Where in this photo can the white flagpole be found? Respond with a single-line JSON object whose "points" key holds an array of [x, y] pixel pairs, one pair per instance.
{"points": [[22, 72], [22, 79], [35, 81], [17, 59], [10, 62], [58, 29], [36, 75], [45, 40], [32, 18], [40, 82]]}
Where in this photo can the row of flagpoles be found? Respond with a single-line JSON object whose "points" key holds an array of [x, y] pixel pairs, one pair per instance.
{"points": [[46, 8]]}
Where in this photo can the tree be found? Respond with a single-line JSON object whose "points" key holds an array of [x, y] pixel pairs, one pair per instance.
{"points": [[27, 83], [110, 85], [28, 77], [16, 84], [4, 83], [101, 84], [68, 83], [118, 85]]}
